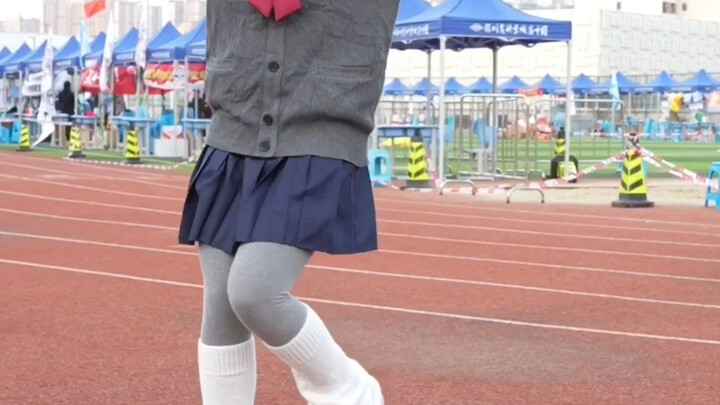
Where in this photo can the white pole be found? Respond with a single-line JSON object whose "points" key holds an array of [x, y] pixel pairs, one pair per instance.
{"points": [[428, 96], [568, 103], [494, 122], [188, 136], [441, 117]]}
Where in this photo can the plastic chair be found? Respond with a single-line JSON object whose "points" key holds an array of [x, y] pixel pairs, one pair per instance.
{"points": [[380, 167], [710, 194]]}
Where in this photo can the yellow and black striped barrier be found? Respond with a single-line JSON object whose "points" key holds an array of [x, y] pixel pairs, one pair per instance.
{"points": [[132, 147], [24, 144], [633, 185], [75, 148], [418, 171]]}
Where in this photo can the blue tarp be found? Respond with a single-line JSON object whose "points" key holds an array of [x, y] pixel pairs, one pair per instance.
{"points": [[69, 55], [394, 88], [549, 85], [477, 24], [481, 85], [513, 85], [453, 87], [702, 82], [96, 50], [174, 51], [423, 88], [13, 64], [124, 52], [583, 85], [625, 85], [664, 83]]}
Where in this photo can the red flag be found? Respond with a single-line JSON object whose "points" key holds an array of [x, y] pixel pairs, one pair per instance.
{"points": [[94, 7]]}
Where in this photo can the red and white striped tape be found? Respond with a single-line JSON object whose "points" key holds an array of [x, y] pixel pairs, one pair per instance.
{"points": [[597, 166], [119, 163], [681, 172]]}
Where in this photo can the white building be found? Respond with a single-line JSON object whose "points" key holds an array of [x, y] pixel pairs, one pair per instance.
{"points": [[637, 37], [186, 14]]}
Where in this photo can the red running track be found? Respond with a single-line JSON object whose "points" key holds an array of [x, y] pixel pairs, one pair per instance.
{"points": [[466, 302]]}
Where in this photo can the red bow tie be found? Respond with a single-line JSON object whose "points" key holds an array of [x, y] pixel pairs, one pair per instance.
{"points": [[283, 8]]}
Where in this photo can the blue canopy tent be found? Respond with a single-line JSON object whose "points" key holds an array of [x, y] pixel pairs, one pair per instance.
{"points": [[411, 8], [175, 50], [461, 24], [481, 85], [197, 50], [664, 83], [68, 56], [395, 88], [583, 85], [702, 82], [453, 87], [33, 63], [124, 52], [13, 65], [423, 87], [4, 54], [550, 85], [96, 50], [625, 85], [513, 86]]}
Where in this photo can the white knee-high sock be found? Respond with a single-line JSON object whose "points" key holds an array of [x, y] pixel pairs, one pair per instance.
{"points": [[324, 374], [228, 374]]}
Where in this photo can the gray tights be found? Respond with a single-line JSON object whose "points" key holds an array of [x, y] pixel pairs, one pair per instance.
{"points": [[251, 292]]}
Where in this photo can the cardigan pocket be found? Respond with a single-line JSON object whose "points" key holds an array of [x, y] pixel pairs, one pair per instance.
{"points": [[230, 85]]}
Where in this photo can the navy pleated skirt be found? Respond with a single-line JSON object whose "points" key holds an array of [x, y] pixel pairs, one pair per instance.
{"points": [[313, 203]]}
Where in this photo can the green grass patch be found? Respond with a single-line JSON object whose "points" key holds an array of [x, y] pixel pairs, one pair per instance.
{"points": [[693, 156], [105, 156]]}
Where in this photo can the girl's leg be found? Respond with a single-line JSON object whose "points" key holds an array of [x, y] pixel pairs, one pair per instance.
{"points": [[261, 278], [226, 350]]}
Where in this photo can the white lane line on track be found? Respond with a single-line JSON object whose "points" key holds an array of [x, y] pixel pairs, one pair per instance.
{"points": [[433, 238], [386, 274], [88, 188], [553, 248], [616, 227], [471, 207], [430, 203], [95, 176], [439, 256], [162, 177], [381, 209], [83, 167], [384, 308]]}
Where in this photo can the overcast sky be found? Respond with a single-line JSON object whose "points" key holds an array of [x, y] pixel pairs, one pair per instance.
{"points": [[26, 8]]}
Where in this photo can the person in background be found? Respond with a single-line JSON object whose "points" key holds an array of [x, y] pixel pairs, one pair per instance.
{"points": [[65, 104]]}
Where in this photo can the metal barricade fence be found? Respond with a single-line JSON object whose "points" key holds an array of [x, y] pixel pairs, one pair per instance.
{"points": [[579, 127], [496, 136], [486, 145], [401, 113], [590, 136]]}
